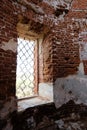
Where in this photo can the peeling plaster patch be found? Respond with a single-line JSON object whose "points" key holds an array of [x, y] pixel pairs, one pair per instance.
{"points": [[23, 8], [83, 45], [70, 88], [11, 45], [81, 69], [72, 34], [35, 7], [56, 3], [57, 42], [46, 90], [83, 53], [61, 17], [53, 3], [41, 18]]}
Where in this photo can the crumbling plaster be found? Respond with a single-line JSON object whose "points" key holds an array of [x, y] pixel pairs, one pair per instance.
{"points": [[58, 3], [57, 21], [10, 45], [74, 87], [70, 88], [41, 15]]}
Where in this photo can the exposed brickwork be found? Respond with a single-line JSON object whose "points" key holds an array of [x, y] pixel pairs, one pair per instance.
{"points": [[7, 58], [7, 74], [7, 21], [65, 50], [63, 46], [47, 60], [8, 36], [67, 41], [79, 4], [60, 50]]}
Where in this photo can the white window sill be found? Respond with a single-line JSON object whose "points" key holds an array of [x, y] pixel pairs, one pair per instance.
{"points": [[35, 101]]}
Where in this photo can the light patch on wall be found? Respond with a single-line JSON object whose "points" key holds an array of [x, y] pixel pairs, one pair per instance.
{"points": [[57, 42], [46, 91], [81, 69], [34, 7], [61, 17], [56, 3], [10, 45], [70, 88], [83, 45]]}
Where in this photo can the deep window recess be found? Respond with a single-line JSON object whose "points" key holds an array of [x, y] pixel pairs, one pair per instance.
{"points": [[25, 77]]}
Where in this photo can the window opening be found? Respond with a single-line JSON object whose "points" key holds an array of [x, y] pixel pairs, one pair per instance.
{"points": [[25, 76]]}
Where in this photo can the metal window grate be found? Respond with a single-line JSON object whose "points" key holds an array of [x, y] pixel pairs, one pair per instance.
{"points": [[25, 69]]}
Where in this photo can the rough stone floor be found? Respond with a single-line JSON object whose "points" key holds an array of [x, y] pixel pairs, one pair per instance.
{"points": [[70, 116]]}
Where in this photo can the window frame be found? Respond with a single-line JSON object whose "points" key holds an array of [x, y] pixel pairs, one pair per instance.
{"points": [[36, 73]]}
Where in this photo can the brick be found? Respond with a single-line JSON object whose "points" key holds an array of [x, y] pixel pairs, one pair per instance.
{"points": [[59, 56]]}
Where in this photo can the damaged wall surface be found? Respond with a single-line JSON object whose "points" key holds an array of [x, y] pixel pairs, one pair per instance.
{"points": [[62, 27], [76, 61]]}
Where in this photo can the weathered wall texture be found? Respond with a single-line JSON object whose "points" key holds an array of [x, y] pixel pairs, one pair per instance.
{"points": [[74, 59], [62, 26], [8, 45]]}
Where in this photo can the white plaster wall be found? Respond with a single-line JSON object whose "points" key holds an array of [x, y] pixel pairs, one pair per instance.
{"points": [[46, 90], [70, 88], [81, 69]]}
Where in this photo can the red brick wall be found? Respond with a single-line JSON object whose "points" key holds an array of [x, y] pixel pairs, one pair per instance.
{"points": [[81, 15], [8, 36], [47, 60], [60, 48], [67, 54], [65, 50], [60, 54], [79, 4], [8, 31]]}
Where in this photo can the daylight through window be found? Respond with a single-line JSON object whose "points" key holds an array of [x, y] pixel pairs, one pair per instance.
{"points": [[25, 77]]}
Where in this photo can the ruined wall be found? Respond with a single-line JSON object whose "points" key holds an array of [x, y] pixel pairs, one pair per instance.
{"points": [[72, 83], [79, 16], [62, 24], [11, 14], [8, 44]]}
